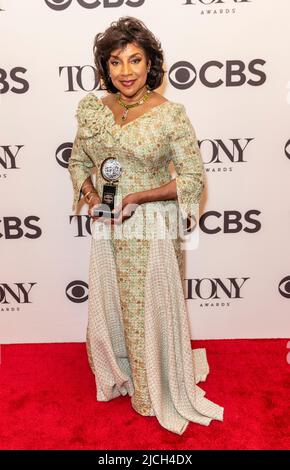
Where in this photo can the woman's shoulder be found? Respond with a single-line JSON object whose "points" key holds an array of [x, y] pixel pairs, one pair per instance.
{"points": [[177, 121], [90, 100], [88, 110], [91, 114], [178, 109], [174, 111], [160, 99]]}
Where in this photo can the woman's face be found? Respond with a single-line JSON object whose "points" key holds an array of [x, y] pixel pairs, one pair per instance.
{"points": [[128, 69]]}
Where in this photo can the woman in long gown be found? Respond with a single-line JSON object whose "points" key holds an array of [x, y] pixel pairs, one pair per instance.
{"points": [[138, 335]]}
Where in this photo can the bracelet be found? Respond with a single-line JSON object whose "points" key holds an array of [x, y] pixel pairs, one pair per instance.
{"points": [[89, 192]]}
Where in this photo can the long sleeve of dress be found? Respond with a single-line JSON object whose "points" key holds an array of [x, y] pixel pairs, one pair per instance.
{"points": [[80, 164], [185, 154]]}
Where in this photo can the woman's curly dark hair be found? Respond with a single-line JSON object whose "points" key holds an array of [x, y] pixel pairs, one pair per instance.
{"points": [[128, 30]]}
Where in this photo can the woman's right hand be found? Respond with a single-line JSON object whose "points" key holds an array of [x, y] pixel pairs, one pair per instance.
{"points": [[95, 201]]}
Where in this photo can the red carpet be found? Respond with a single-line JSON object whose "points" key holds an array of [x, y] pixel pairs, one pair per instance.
{"points": [[48, 401]]}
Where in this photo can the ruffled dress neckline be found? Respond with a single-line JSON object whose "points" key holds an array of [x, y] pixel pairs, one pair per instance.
{"points": [[95, 119], [110, 113]]}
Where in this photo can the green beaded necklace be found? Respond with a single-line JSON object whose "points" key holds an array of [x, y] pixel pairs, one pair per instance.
{"points": [[128, 106]]}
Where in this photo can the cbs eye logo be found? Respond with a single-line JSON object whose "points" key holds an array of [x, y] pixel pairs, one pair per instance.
{"points": [[77, 291], [182, 75], [59, 5], [284, 287], [63, 154]]}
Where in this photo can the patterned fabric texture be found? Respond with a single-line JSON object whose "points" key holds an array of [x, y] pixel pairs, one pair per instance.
{"points": [[138, 334]]}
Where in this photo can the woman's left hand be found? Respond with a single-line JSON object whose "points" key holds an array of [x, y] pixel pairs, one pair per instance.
{"points": [[125, 209]]}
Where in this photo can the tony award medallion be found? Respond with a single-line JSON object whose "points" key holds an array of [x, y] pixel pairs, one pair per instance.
{"points": [[111, 170]]}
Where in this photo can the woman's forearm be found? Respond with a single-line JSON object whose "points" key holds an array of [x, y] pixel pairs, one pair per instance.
{"points": [[162, 193], [88, 186]]}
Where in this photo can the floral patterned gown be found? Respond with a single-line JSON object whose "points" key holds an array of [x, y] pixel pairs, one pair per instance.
{"points": [[138, 335]]}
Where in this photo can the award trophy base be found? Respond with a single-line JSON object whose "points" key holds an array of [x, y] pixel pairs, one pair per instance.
{"points": [[107, 204]]}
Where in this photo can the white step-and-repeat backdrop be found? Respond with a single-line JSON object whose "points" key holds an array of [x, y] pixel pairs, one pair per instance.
{"points": [[228, 62]]}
